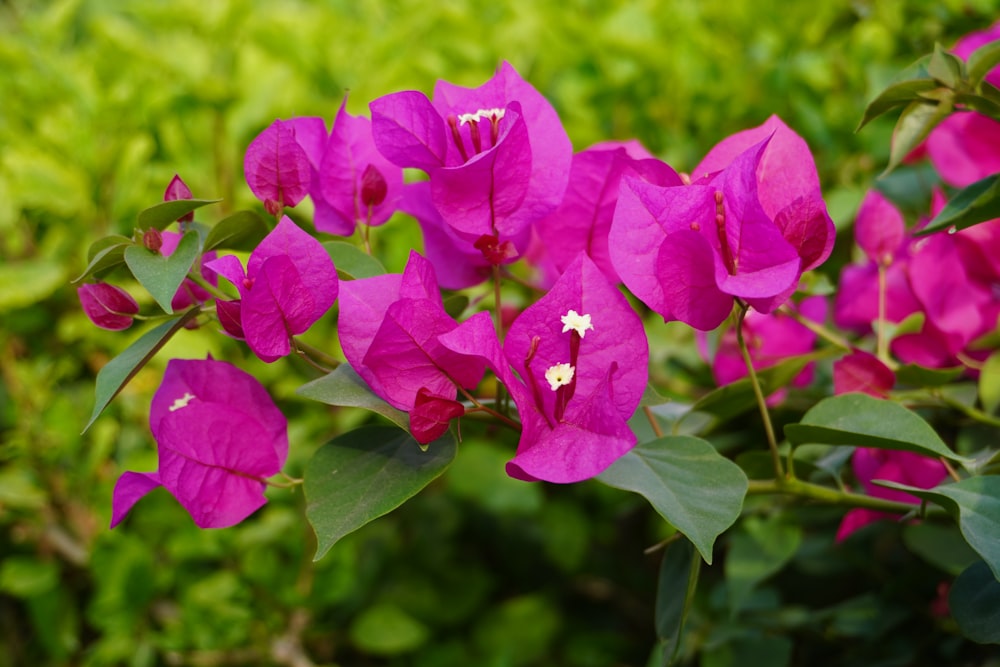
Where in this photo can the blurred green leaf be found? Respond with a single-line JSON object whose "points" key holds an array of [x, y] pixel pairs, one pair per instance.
{"points": [[989, 383], [28, 282], [974, 602], [913, 126], [117, 372], [973, 204], [344, 387], [758, 548], [361, 475], [352, 262], [896, 95], [688, 482], [975, 504], [455, 305], [919, 376], [242, 230], [940, 545], [387, 630], [25, 577], [160, 274], [478, 476], [162, 214], [863, 421], [675, 591], [946, 67], [982, 60]]}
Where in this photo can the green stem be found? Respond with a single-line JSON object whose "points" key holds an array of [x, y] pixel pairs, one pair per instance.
{"points": [[824, 494], [199, 280], [881, 340], [480, 407], [772, 442], [315, 352], [816, 328], [967, 410]]}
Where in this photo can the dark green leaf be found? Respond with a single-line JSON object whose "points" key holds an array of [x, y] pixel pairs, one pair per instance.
{"points": [[352, 262], [161, 275], [387, 630], [679, 572], [242, 230], [117, 372], [162, 214], [345, 387], [973, 502], [941, 545], [981, 61], [455, 305], [757, 549], [945, 67], [974, 601], [913, 126], [919, 376], [361, 475], [688, 482], [896, 95], [104, 254], [983, 104], [863, 421], [976, 203]]}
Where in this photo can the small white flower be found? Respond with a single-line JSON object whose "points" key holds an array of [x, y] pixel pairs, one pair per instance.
{"points": [[575, 321], [559, 375], [182, 401], [492, 114]]}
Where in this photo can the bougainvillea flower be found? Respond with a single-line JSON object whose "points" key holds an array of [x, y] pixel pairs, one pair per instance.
{"points": [[389, 328], [864, 373], [219, 436], [108, 306], [687, 251], [879, 228], [894, 466], [770, 339], [581, 361], [289, 283], [497, 156], [787, 186], [178, 189], [583, 220], [356, 183], [277, 167]]}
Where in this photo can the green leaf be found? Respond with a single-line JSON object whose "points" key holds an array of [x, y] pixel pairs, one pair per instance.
{"points": [[117, 372], [242, 230], [974, 602], [27, 577], [162, 275], [345, 387], [945, 67], [652, 397], [981, 61], [975, 203], [162, 214], [863, 421], [919, 376], [941, 545], [757, 549], [359, 476], [675, 590], [913, 126], [456, 304], [895, 95], [989, 383], [352, 262], [975, 504], [29, 282], [104, 254], [687, 482], [387, 630], [984, 104]]}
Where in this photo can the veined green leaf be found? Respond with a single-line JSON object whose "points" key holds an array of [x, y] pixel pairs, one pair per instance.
{"points": [[973, 204], [242, 230], [162, 214], [161, 275], [343, 386]]}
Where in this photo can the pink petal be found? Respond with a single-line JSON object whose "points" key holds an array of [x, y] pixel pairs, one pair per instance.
{"points": [[278, 306], [686, 263], [408, 131], [862, 372], [277, 168], [879, 228], [129, 488], [108, 306]]}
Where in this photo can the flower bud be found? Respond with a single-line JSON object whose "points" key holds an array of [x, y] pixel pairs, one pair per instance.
{"points": [[178, 189], [107, 306], [152, 239], [373, 186]]}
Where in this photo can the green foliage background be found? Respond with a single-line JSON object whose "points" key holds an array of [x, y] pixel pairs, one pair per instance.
{"points": [[102, 102]]}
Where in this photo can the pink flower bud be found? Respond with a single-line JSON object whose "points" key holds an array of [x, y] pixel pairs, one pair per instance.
{"points": [[178, 189], [373, 186], [152, 239], [107, 306]]}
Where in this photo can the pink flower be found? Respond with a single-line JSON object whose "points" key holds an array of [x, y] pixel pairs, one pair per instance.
{"points": [[894, 466], [219, 437], [277, 167], [108, 306], [289, 283]]}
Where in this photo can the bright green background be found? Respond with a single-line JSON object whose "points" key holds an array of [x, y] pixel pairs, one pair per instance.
{"points": [[102, 102]]}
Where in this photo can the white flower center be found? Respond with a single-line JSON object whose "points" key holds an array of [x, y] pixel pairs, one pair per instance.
{"points": [[559, 375], [491, 114], [579, 323], [182, 401]]}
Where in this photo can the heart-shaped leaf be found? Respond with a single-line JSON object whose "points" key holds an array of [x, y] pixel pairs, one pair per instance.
{"points": [[162, 275], [367, 473], [687, 482]]}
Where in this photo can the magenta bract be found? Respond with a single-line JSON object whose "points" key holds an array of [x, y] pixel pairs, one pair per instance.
{"points": [[108, 306], [389, 328], [583, 220], [497, 156], [879, 228], [289, 283], [178, 189], [277, 167], [219, 436], [864, 373]]}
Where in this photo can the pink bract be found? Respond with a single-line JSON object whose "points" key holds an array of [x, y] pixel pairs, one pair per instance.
{"points": [[107, 306]]}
